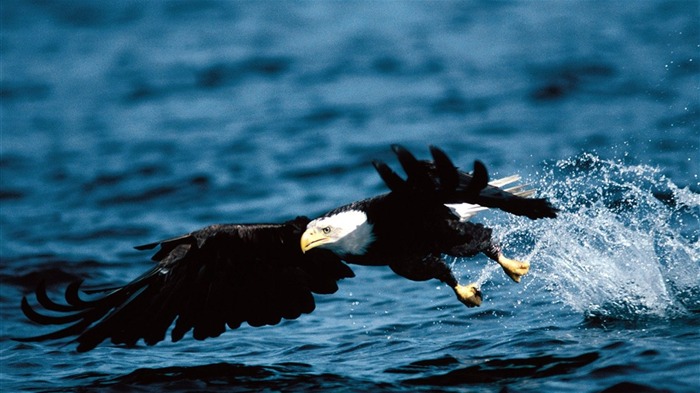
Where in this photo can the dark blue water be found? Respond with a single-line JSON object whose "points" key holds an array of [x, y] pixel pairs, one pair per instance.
{"points": [[127, 122]]}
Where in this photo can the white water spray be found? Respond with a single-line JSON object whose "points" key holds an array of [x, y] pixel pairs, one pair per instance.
{"points": [[625, 245]]}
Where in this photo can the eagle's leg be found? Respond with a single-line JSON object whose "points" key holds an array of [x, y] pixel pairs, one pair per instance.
{"points": [[432, 266], [476, 238]]}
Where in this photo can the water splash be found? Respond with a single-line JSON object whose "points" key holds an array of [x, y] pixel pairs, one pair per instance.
{"points": [[625, 245]]}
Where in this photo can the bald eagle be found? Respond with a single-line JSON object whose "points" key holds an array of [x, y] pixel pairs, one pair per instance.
{"points": [[225, 275]]}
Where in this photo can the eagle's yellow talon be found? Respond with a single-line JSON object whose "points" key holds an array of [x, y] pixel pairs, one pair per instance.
{"points": [[513, 268], [469, 295]]}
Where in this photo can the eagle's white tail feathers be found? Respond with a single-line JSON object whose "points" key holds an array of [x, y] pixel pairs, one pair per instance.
{"points": [[505, 181], [466, 211], [521, 191]]}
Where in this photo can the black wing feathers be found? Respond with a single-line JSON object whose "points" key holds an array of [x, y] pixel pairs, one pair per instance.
{"points": [[478, 180], [390, 178], [417, 177], [441, 180], [220, 276], [446, 170]]}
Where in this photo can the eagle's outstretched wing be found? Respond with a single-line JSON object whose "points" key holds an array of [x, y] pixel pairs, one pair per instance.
{"points": [[222, 275], [440, 179]]}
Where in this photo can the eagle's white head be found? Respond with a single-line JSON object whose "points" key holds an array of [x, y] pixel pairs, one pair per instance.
{"points": [[344, 233]]}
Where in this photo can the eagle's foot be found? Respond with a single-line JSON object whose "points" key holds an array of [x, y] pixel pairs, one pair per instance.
{"points": [[513, 268], [469, 295]]}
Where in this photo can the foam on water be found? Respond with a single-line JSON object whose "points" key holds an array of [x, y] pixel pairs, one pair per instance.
{"points": [[625, 246]]}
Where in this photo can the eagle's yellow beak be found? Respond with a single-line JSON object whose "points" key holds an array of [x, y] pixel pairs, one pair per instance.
{"points": [[312, 238]]}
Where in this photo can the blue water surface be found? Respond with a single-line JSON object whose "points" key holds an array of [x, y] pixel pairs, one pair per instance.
{"points": [[128, 122]]}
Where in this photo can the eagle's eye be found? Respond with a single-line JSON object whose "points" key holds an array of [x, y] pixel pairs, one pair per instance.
{"points": [[326, 230]]}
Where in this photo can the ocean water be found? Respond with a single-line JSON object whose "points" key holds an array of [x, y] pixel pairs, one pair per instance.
{"points": [[128, 122]]}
